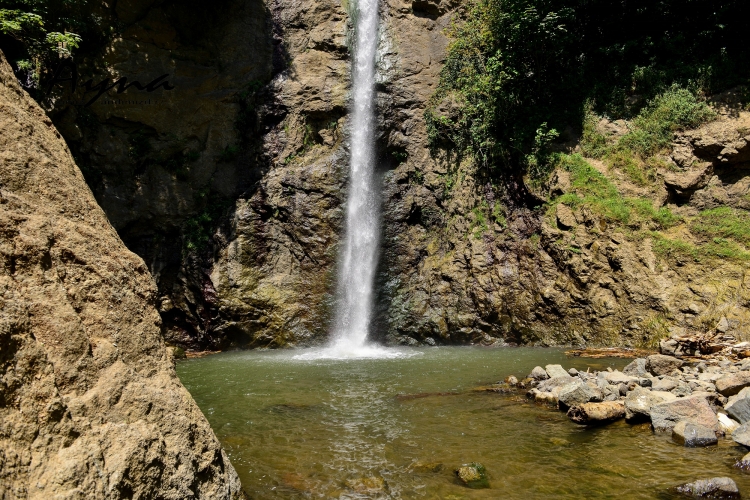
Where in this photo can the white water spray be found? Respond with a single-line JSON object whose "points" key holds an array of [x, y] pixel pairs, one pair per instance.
{"points": [[360, 253]]}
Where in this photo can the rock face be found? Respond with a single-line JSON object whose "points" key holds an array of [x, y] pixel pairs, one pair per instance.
{"points": [[231, 190], [90, 404]]}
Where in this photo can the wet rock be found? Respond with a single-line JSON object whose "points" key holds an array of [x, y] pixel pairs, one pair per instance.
{"points": [[733, 383], [639, 402], [693, 435], [426, 467], [511, 380], [556, 371], [473, 475], [367, 485], [659, 364], [743, 463], [637, 368], [741, 435], [715, 487], [597, 413], [578, 393], [538, 373], [664, 416]]}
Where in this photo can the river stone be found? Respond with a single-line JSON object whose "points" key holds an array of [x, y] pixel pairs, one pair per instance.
{"points": [[731, 384], [693, 435], [556, 371], [577, 393], [739, 409], [741, 435], [664, 416], [639, 401], [551, 384], [658, 364], [716, 487], [637, 368], [538, 373], [473, 475], [664, 384], [617, 377]]}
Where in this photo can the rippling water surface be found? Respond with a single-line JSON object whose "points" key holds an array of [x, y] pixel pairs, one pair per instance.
{"points": [[381, 428]]}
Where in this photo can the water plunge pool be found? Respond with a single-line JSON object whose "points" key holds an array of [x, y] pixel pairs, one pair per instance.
{"points": [[381, 428]]}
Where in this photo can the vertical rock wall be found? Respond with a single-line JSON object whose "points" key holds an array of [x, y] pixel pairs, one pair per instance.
{"points": [[90, 405]]}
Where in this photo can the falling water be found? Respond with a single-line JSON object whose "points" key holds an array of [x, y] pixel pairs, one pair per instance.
{"points": [[359, 256]]}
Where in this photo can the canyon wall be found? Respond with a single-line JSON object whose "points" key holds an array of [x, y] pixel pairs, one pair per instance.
{"points": [[90, 405], [231, 189]]}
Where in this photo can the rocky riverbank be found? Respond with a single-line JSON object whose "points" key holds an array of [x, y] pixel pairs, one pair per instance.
{"points": [[697, 401]]}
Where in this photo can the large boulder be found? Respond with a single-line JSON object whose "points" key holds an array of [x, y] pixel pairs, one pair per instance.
{"points": [[639, 402], [664, 416], [739, 409], [637, 368], [659, 364], [693, 435], [732, 383], [578, 393], [741, 435], [715, 487], [91, 406], [556, 371]]}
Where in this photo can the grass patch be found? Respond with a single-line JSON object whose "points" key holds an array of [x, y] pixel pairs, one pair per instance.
{"points": [[723, 223], [592, 189]]}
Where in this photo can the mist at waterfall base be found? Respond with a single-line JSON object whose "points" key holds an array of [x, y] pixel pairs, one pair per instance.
{"points": [[358, 259]]}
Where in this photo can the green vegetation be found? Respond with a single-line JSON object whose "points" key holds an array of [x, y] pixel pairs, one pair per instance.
{"points": [[593, 190], [39, 32], [198, 230], [651, 133], [519, 71]]}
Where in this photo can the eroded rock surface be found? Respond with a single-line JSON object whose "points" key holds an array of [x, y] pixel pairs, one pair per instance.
{"points": [[90, 405]]}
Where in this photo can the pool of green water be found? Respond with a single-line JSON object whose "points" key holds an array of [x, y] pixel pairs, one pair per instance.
{"points": [[397, 428]]}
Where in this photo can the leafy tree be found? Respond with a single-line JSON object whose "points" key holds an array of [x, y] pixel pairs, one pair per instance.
{"points": [[519, 71]]}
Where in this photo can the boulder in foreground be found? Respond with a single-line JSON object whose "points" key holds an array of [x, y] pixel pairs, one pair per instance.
{"points": [[91, 405]]}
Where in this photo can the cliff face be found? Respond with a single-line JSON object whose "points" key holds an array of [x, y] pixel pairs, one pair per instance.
{"points": [[232, 188], [89, 401]]}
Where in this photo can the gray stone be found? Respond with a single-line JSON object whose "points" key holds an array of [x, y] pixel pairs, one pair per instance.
{"points": [[554, 383], [637, 368], [731, 384], [664, 384], [556, 371], [572, 372], [681, 390], [693, 435], [723, 325], [741, 435], [658, 364], [664, 416], [639, 402], [578, 393], [739, 409], [538, 373], [715, 487], [616, 377]]}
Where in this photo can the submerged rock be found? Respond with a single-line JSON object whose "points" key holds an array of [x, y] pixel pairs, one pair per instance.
{"points": [[715, 487], [693, 435], [473, 475]]}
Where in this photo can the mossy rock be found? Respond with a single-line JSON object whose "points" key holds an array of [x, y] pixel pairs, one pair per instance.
{"points": [[473, 475]]}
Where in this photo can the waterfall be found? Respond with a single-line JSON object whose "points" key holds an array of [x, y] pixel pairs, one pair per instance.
{"points": [[359, 254], [358, 258]]}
